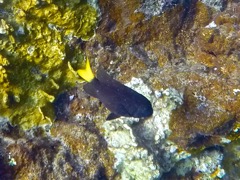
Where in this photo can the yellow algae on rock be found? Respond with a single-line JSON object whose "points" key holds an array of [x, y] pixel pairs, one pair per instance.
{"points": [[3, 75], [3, 82], [79, 22], [33, 51], [34, 117]]}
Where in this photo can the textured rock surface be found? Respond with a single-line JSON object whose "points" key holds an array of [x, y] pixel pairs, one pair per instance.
{"points": [[232, 160], [156, 7], [69, 151], [216, 4]]}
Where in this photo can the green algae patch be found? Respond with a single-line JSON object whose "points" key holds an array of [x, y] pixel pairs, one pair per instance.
{"points": [[34, 56]]}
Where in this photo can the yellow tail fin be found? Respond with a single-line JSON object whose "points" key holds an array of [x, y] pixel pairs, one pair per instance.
{"points": [[86, 73]]}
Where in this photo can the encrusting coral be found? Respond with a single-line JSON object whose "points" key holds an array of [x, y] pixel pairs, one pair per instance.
{"points": [[33, 50]]}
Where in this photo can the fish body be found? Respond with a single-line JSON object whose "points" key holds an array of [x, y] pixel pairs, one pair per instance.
{"points": [[116, 97]]}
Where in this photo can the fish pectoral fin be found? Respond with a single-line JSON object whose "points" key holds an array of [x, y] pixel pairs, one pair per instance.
{"points": [[112, 116]]}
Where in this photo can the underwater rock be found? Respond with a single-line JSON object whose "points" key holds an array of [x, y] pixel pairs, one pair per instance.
{"points": [[156, 7], [69, 151], [231, 161], [207, 165], [210, 101], [216, 4]]}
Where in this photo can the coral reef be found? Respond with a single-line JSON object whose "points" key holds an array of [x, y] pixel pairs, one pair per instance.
{"points": [[185, 60], [34, 52]]}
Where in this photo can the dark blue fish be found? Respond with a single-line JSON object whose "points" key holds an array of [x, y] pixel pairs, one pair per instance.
{"points": [[118, 98]]}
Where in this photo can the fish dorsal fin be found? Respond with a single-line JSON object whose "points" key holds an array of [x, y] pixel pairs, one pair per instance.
{"points": [[112, 116], [86, 73]]}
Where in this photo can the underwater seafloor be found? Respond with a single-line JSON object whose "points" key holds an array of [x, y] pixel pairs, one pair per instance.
{"points": [[184, 56]]}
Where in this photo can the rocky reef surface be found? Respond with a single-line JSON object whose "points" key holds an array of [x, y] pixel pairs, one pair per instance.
{"points": [[184, 56]]}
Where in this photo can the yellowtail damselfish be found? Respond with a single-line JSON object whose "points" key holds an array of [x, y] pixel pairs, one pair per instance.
{"points": [[118, 98]]}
